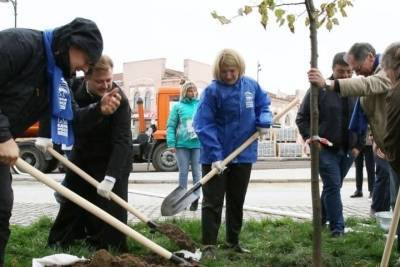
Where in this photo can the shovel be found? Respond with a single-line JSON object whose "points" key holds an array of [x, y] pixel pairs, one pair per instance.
{"points": [[78, 200], [180, 199], [187, 245]]}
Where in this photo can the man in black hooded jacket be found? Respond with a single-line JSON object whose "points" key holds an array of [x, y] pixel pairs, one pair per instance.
{"points": [[25, 91]]}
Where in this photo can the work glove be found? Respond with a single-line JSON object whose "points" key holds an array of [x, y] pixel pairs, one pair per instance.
{"points": [[218, 165], [104, 188], [262, 132], [43, 144]]}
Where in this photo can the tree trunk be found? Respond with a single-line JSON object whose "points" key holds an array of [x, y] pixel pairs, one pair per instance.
{"points": [[316, 202]]}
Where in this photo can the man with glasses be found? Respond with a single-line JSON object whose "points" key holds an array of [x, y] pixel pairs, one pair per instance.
{"points": [[372, 88], [336, 160]]}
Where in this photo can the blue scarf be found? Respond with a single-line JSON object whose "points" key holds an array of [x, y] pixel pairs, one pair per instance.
{"points": [[60, 98], [358, 121]]}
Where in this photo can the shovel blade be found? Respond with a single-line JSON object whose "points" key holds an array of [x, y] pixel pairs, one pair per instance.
{"points": [[177, 201]]}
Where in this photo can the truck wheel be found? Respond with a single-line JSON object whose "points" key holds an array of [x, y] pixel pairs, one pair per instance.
{"points": [[33, 156], [163, 159]]}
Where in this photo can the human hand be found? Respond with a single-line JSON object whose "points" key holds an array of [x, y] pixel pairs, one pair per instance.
{"points": [[104, 188], [110, 102], [355, 152], [9, 152], [315, 78], [218, 165]]}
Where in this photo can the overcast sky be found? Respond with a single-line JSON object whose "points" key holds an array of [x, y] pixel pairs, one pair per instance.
{"points": [[176, 30]]}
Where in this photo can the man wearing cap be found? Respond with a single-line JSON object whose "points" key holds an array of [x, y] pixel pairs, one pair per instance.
{"points": [[34, 68], [335, 160]]}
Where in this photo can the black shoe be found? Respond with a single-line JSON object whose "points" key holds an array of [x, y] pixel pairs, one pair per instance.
{"points": [[209, 252], [357, 194], [336, 234], [237, 248], [194, 206]]}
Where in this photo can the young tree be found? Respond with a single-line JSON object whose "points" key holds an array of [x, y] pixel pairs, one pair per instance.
{"points": [[326, 15]]}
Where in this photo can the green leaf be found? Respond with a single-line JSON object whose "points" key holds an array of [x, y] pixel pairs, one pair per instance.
{"points": [[264, 19], [282, 21], [329, 25], [307, 21], [330, 10], [279, 13], [271, 4], [214, 14], [240, 11], [247, 9], [323, 6], [291, 19], [335, 21], [343, 12]]}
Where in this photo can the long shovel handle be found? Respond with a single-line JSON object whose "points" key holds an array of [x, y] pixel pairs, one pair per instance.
{"points": [[80, 201], [391, 235], [95, 183], [248, 142]]}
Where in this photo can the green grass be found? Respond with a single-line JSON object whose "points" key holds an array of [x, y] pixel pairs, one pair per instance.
{"points": [[273, 243]]}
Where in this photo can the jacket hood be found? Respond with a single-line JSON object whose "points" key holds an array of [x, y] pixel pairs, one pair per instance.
{"points": [[82, 33]]}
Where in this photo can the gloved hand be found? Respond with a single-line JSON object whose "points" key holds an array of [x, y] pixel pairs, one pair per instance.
{"points": [[262, 132], [218, 166], [43, 144], [104, 188]]}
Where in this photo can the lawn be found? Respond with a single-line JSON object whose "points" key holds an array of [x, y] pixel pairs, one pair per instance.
{"points": [[282, 242]]}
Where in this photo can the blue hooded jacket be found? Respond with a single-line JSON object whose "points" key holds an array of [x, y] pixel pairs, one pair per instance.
{"points": [[227, 116]]}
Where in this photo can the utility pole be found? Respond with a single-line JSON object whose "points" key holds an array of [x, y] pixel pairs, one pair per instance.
{"points": [[14, 3]]}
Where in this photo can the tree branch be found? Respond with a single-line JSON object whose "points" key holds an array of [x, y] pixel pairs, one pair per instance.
{"points": [[291, 4]]}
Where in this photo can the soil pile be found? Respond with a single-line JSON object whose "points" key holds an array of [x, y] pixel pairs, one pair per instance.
{"points": [[177, 235], [104, 259]]}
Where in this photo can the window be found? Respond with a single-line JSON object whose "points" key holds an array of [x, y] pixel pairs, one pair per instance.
{"points": [[287, 120], [135, 99], [147, 101]]}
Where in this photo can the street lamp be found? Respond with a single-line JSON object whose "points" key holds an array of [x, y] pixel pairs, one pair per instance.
{"points": [[14, 3], [258, 68]]}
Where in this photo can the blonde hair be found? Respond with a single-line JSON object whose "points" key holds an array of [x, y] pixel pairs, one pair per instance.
{"points": [[185, 85], [229, 58], [105, 63]]}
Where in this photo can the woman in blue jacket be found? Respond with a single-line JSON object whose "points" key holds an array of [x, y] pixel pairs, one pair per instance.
{"points": [[231, 109], [182, 138]]}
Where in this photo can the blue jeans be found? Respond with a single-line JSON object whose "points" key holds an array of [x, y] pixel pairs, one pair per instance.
{"points": [[186, 156], [333, 167]]}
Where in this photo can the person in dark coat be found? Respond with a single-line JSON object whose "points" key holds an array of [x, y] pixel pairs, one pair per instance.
{"points": [[336, 160], [31, 63], [105, 153]]}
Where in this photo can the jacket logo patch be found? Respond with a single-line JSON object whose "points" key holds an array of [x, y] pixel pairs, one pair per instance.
{"points": [[249, 99]]}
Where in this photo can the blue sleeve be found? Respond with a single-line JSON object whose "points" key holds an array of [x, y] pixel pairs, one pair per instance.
{"points": [[206, 127], [172, 124], [263, 113]]}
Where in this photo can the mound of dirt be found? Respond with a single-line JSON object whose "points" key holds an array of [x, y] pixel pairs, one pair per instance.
{"points": [[177, 235], [102, 258]]}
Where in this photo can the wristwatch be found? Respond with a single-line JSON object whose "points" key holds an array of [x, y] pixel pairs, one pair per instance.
{"points": [[329, 84]]}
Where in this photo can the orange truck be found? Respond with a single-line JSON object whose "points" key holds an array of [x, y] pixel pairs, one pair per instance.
{"points": [[149, 146]]}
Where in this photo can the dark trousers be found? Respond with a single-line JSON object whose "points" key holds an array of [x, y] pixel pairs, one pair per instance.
{"points": [[381, 193], [232, 183], [368, 154], [6, 203], [74, 223], [333, 167]]}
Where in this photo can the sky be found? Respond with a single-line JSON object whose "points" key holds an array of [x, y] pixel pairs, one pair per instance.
{"points": [[184, 29]]}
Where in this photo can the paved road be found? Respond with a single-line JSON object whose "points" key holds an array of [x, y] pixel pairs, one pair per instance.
{"points": [[33, 200]]}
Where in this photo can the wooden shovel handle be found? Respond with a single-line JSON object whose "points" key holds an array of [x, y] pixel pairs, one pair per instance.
{"points": [[94, 182], [391, 235], [24, 166], [248, 142]]}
